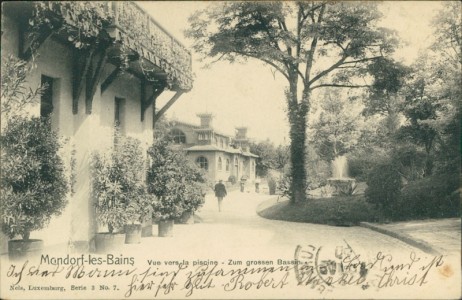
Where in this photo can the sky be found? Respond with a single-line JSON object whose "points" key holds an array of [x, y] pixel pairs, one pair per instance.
{"points": [[248, 94]]}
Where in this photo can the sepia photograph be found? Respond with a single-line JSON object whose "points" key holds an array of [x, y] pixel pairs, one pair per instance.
{"points": [[230, 150]]}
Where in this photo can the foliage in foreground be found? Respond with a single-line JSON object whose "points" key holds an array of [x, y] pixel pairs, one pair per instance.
{"points": [[118, 185], [175, 181], [33, 182]]}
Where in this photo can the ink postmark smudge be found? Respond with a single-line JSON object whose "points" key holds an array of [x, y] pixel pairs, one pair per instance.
{"points": [[328, 267]]}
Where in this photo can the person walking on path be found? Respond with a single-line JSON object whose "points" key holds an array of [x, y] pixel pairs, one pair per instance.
{"points": [[220, 193]]}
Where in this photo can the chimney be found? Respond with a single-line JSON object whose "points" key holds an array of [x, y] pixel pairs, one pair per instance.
{"points": [[241, 133], [206, 120]]}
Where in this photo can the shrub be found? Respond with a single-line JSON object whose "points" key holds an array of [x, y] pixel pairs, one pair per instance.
{"points": [[118, 185], [174, 180], [383, 187], [410, 160], [431, 197], [194, 197], [33, 182], [361, 163], [195, 185], [318, 170]]}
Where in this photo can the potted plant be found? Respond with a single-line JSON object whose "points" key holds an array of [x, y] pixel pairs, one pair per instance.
{"points": [[110, 203], [193, 200], [119, 191], [33, 183], [128, 157], [167, 208], [139, 212], [166, 182], [194, 196]]}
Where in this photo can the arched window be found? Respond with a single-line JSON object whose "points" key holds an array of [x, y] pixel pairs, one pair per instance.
{"points": [[221, 143], [227, 164], [220, 164], [178, 136], [202, 162]]}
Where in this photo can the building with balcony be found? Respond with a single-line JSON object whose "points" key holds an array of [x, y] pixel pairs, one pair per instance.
{"points": [[222, 156], [104, 64]]}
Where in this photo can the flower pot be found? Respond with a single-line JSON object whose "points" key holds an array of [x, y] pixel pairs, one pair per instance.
{"points": [[132, 233], [187, 217], [165, 228], [146, 228], [18, 249], [107, 242]]}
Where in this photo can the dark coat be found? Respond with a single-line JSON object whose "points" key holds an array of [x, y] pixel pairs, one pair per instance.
{"points": [[220, 190]]}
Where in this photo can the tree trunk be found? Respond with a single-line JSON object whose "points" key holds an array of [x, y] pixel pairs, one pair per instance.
{"points": [[26, 235], [297, 157], [297, 117]]}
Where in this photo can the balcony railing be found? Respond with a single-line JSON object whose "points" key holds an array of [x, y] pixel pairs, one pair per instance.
{"points": [[137, 30], [142, 33]]}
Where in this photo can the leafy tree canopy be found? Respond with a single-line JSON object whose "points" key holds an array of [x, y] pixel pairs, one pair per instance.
{"points": [[311, 44]]}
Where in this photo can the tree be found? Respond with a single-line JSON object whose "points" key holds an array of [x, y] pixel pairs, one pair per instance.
{"points": [[311, 44], [16, 97], [448, 33], [338, 128], [384, 94], [266, 156], [177, 183], [448, 72], [33, 182], [433, 93], [282, 158], [389, 79]]}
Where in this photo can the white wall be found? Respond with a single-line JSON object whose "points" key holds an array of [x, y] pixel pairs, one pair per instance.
{"points": [[88, 133]]}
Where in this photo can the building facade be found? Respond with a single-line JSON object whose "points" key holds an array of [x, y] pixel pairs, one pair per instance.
{"points": [[91, 90], [222, 156]]}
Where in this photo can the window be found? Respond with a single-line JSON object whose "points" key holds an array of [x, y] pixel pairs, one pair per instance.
{"points": [[227, 164], [202, 162], [46, 100], [178, 136], [221, 143], [220, 164]]}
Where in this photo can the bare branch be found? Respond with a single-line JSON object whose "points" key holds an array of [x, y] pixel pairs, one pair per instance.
{"points": [[328, 70], [361, 60], [309, 59], [338, 86], [301, 74]]}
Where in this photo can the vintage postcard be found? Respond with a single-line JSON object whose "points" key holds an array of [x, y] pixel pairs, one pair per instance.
{"points": [[230, 150]]}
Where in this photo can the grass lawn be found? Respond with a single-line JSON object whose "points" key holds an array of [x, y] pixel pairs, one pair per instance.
{"points": [[337, 211]]}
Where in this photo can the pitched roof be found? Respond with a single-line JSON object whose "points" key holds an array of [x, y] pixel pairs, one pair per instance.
{"points": [[249, 154], [215, 148], [204, 148]]}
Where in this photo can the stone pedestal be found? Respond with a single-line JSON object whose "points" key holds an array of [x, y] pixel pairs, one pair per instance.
{"points": [[342, 186]]}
